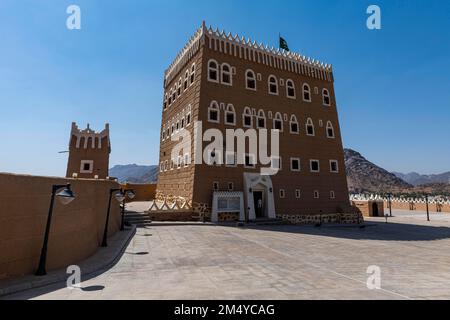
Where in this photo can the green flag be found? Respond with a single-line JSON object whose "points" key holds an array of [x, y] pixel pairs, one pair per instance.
{"points": [[283, 44]]}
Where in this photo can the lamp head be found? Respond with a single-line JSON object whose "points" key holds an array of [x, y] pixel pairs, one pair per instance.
{"points": [[131, 194], [119, 196], [66, 196]]}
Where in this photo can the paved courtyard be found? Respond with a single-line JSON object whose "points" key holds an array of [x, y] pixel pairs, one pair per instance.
{"points": [[195, 261]]}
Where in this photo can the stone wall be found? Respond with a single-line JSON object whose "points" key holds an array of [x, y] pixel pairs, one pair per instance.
{"points": [[76, 230], [340, 218]]}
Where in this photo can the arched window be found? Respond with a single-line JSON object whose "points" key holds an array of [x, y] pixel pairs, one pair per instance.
{"points": [[226, 74], [213, 112], [306, 92], [273, 85], [188, 116], [174, 94], [247, 118], [326, 97], [294, 124], [330, 130], [213, 71], [278, 122], [230, 115], [192, 74], [290, 89], [186, 80], [261, 123], [250, 80], [179, 86], [170, 97], [309, 127]]}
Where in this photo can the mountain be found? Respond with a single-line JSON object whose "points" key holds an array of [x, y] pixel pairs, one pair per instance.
{"points": [[134, 173], [364, 176], [417, 179]]}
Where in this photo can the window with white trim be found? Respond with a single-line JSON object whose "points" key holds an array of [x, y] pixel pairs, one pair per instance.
{"points": [[87, 166], [278, 122], [295, 164], [306, 92], [326, 97], [186, 80], [334, 166], [230, 159], [330, 130], [247, 118], [316, 194], [187, 159], [170, 97], [261, 119], [310, 127], [213, 112], [273, 85], [165, 101], [250, 80], [226, 74], [332, 195], [213, 71], [314, 165], [290, 89], [179, 86], [230, 115], [298, 193], [249, 161], [282, 193], [293, 124], [192, 77]]}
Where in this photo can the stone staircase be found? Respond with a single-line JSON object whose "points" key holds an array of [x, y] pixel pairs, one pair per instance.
{"points": [[137, 218]]}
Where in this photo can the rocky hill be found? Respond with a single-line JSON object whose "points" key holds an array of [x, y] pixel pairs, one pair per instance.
{"points": [[364, 176], [417, 179], [134, 173]]}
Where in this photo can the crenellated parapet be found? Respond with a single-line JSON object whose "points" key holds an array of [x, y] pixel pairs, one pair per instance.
{"points": [[250, 50], [89, 138]]}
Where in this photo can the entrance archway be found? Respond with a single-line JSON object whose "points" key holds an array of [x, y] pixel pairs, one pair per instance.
{"points": [[375, 209]]}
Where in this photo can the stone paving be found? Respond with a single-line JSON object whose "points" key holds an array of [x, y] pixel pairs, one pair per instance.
{"points": [[195, 261]]}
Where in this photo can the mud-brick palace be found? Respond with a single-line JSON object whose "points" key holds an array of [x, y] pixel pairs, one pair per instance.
{"points": [[227, 82]]}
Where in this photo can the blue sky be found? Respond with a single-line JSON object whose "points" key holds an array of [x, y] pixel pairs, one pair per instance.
{"points": [[392, 85]]}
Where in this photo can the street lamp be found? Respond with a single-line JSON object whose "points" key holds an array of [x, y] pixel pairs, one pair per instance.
{"points": [[390, 204], [65, 196], [128, 193], [119, 197], [428, 211]]}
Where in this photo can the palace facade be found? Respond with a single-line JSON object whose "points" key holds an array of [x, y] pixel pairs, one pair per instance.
{"points": [[222, 81]]}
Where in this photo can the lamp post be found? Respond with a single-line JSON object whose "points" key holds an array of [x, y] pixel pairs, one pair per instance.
{"points": [[129, 193], [119, 197], [390, 205], [65, 196], [428, 211]]}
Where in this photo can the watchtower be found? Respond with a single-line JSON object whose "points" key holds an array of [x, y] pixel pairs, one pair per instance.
{"points": [[88, 153]]}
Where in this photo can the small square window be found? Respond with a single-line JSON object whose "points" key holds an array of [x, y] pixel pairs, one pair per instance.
{"points": [[316, 194], [297, 194], [315, 167], [334, 166], [87, 166], [295, 164]]}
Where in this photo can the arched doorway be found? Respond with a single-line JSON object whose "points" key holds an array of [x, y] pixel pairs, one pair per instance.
{"points": [[375, 209]]}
